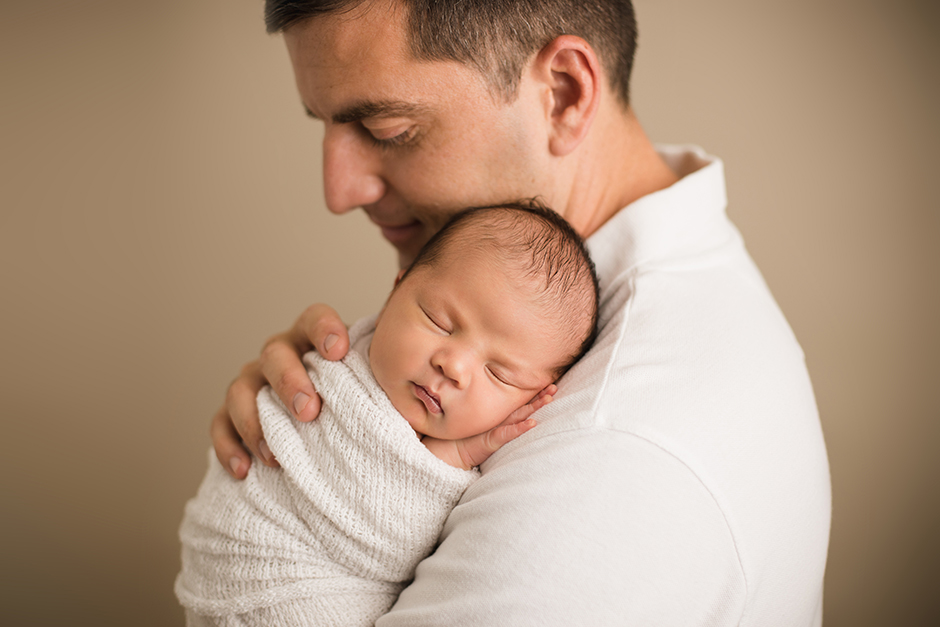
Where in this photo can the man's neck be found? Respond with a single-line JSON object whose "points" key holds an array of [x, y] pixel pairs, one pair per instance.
{"points": [[617, 164]]}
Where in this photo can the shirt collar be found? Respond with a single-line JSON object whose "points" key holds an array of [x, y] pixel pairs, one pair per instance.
{"points": [[682, 219]]}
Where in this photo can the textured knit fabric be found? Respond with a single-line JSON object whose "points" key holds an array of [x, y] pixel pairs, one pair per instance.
{"points": [[679, 477], [335, 534]]}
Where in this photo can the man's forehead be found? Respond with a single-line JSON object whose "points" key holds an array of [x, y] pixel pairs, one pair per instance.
{"points": [[350, 68], [371, 31]]}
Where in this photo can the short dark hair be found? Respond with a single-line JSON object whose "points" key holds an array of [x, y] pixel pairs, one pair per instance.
{"points": [[541, 248], [497, 36]]}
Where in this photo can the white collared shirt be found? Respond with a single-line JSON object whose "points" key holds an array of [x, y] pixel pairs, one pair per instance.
{"points": [[679, 477]]}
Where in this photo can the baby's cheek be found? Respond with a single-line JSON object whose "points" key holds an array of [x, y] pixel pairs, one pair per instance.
{"points": [[498, 412]]}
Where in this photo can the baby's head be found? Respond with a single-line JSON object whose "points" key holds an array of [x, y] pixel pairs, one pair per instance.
{"points": [[498, 305]]}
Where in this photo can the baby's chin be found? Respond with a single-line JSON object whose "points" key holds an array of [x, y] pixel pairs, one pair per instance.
{"points": [[412, 422]]}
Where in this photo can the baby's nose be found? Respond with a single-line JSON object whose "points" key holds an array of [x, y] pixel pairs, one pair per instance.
{"points": [[455, 365]]}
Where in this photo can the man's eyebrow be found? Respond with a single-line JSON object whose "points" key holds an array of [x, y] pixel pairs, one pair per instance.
{"points": [[383, 108]]}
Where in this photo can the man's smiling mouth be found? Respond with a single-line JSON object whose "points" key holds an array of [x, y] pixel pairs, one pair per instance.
{"points": [[399, 233]]}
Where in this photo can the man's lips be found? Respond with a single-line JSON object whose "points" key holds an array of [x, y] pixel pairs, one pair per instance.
{"points": [[430, 400], [398, 233]]}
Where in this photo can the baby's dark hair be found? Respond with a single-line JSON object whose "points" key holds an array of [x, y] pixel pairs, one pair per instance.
{"points": [[542, 246]]}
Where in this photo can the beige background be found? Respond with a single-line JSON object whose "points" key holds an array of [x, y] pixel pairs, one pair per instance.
{"points": [[162, 213]]}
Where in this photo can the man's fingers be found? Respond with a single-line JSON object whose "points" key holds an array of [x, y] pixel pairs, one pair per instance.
{"points": [[322, 327], [242, 412], [228, 446], [282, 367], [236, 426], [318, 327]]}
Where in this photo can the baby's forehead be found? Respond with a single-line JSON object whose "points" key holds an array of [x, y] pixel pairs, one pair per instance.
{"points": [[542, 287], [486, 258], [559, 311]]}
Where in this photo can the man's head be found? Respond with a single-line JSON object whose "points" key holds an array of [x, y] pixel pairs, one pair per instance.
{"points": [[499, 304], [433, 106], [497, 37]]}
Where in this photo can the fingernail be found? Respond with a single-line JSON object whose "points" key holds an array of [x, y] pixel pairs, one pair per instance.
{"points": [[265, 451], [329, 342], [300, 402], [234, 464]]}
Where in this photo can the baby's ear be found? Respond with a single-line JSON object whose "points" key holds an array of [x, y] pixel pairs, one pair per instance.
{"points": [[401, 273]]}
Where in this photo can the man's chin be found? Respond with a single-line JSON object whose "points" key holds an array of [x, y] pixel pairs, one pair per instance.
{"points": [[407, 241], [405, 257]]}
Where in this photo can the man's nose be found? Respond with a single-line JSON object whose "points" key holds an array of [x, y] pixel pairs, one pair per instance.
{"points": [[351, 169]]}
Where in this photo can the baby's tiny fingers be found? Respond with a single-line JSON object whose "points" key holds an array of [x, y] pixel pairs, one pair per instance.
{"points": [[508, 433], [541, 402]]}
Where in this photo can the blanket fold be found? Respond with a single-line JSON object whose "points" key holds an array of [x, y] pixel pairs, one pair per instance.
{"points": [[358, 502]]}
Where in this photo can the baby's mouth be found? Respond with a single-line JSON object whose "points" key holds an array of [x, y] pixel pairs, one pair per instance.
{"points": [[430, 400]]}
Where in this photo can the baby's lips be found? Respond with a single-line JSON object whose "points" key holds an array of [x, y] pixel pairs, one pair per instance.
{"points": [[431, 402]]}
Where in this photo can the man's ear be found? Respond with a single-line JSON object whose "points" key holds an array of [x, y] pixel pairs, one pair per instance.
{"points": [[570, 68]]}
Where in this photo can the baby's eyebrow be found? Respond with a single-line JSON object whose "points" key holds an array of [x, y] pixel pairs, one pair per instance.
{"points": [[384, 108]]}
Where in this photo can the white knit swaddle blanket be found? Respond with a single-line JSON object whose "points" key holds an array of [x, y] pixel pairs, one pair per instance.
{"points": [[339, 530]]}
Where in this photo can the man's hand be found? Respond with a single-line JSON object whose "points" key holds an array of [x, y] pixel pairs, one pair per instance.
{"points": [[476, 449], [235, 428]]}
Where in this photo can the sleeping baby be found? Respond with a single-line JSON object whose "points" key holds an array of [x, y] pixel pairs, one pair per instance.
{"points": [[495, 308]]}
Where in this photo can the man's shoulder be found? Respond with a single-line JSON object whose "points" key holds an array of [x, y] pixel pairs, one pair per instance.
{"points": [[698, 389], [604, 515], [680, 474]]}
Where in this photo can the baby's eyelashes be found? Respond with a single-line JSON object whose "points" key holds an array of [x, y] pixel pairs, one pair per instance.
{"points": [[434, 320], [501, 377]]}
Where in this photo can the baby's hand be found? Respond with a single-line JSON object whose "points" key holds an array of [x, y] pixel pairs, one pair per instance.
{"points": [[476, 449]]}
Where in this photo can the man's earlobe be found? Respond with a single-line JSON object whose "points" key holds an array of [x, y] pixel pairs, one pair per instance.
{"points": [[573, 72]]}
